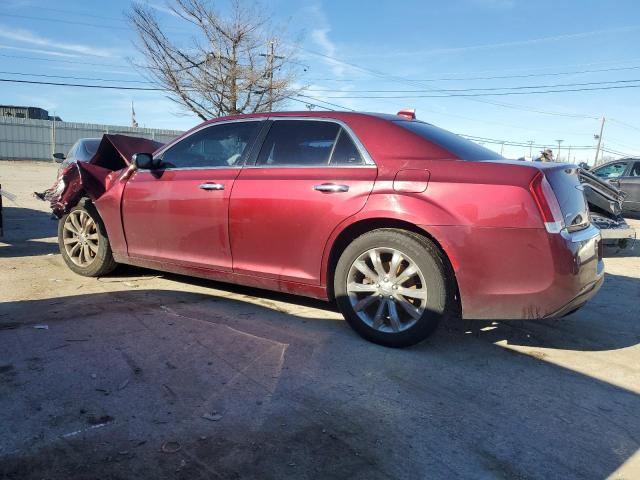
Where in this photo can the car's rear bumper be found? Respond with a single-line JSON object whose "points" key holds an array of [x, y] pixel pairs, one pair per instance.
{"points": [[513, 273], [587, 293]]}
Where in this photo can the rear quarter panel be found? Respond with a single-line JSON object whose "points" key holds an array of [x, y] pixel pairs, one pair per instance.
{"points": [[484, 218]]}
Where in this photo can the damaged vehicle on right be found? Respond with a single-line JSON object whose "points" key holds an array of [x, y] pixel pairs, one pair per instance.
{"points": [[606, 208], [623, 175]]}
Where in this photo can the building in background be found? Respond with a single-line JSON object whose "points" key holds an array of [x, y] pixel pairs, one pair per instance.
{"points": [[31, 139], [33, 113]]}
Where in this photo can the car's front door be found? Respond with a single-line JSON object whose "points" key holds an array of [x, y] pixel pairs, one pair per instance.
{"points": [[178, 212], [611, 172], [309, 176], [630, 184]]}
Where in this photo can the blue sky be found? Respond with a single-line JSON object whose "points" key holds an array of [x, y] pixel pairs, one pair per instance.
{"points": [[352, 46]]}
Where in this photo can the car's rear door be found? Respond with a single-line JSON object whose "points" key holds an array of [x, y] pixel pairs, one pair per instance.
{"points": [[179, 212], [309, 175]]}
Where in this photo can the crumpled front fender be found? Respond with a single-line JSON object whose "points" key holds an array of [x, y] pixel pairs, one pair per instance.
{"points": [[111, 162]]}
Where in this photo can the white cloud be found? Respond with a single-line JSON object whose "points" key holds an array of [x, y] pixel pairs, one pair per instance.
{"points": [[533, 41], [30, 38], [320, 36], [162, 8], [38, 50], [498, 45]]}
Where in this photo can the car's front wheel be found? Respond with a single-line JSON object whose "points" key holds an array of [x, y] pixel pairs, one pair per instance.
{"points": [[393, 287], [83, 242]]}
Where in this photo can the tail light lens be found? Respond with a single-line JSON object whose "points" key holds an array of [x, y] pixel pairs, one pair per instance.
{"points": [[547, 203]]}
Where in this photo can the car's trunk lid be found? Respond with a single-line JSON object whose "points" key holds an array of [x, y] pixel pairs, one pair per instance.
{"points": [[565, 182]]}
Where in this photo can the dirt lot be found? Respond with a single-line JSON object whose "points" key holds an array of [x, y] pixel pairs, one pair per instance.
{"points": [[149, 375]]}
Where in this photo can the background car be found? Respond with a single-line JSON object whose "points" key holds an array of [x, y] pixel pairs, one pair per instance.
{"points": [[625, 175]]}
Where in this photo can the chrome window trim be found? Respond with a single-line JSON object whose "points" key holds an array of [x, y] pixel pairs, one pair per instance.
{"points": [[323, 165], [368, 161], [231, 167]]}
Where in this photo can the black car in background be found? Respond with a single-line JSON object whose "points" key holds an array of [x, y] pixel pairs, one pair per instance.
{"points": [[623, 174]]}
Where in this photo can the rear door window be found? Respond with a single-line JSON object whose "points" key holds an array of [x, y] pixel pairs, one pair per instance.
{"points": [[298, 143], [345, 152]]}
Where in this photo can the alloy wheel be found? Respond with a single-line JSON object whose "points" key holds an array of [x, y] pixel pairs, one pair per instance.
{"points": [[80, 238], [387, 290]]}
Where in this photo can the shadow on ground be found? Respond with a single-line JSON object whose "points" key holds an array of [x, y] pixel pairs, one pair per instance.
{"points": [[118, 385], [23, 228]]}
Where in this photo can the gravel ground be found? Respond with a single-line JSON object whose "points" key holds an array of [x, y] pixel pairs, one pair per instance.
{"points": [[150, 375]]}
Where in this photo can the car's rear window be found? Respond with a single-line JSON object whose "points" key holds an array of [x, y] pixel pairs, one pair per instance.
{"points": [[458, 146]]}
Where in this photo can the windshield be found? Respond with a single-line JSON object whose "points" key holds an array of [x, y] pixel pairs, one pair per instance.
{"points": [[460, 147], [87, 149]]}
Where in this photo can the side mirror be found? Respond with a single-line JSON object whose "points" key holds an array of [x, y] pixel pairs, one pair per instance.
{"points": [[143, 161], [59, 157]]}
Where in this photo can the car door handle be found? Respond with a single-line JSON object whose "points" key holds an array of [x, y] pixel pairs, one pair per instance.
{"points": [[331, 188], [212, 186]]}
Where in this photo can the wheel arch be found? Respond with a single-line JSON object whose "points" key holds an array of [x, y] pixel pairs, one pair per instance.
{"points": [[353, 230]]}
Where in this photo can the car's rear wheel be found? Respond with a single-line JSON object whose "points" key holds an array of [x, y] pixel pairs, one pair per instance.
{"points": [[83, 242], [393, 287]]}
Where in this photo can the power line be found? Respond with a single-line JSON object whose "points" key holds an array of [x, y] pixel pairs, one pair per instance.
{"points": [[342, 107], [119, 87], [69, 22], [121, 65], [74, 78], [624, 124], [482, 100], [496, 77], [81, 85], [83, 13], [487, 94], [487, 89]]}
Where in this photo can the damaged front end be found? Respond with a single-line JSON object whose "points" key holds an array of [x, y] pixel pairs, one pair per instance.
{"points": [[605, 209], [111, 163]]}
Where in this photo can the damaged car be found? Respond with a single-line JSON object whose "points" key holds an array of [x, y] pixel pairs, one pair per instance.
{"points": [[606, 208], [623, 175], [399, 222]]}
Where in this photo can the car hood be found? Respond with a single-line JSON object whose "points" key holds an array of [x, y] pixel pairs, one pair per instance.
{"points": [[93, 178]]}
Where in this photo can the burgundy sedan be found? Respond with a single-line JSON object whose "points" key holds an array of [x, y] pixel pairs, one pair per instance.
{"points": [[398, 221]]}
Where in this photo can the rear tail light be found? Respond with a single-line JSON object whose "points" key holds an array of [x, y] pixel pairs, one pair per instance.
{"points": [[547, 203]]}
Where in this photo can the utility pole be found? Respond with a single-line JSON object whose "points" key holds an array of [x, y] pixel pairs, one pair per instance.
{"points": [[569, 155], [502, 149], [558, 156], [271, 56], [53, 135], [530, 142], [599, 138]]}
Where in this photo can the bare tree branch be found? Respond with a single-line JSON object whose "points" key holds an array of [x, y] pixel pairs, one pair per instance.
{"points": [[227, 68]]}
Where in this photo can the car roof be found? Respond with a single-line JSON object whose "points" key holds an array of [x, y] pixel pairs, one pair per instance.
{"points": [[333, 114], [619, 160]]}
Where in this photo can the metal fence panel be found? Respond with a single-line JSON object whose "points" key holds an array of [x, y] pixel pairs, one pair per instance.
{"points": [[27, 139]]}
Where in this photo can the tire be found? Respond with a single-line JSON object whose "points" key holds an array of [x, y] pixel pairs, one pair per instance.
{"points": [[413, 306], [94, 257]]}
